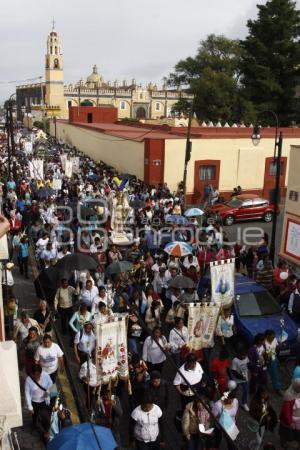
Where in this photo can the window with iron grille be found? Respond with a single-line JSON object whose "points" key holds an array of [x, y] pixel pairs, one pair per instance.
{"points": [[207, 173]]}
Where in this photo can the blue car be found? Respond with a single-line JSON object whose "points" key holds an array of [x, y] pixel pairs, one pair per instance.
{"points": [[256, 311]]}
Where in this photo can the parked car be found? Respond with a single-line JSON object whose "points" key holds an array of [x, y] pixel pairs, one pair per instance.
{"points": [[256, 311], [243, 207]]}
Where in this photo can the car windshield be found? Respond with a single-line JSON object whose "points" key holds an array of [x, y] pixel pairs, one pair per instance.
{"points": [[257, 304], [234, 203]]}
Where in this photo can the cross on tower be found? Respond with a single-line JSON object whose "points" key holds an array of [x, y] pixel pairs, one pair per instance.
{"points": [[53, 24]]}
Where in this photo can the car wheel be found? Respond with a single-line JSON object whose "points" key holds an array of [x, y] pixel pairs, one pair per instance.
{"points": [[268, 217], [229, 220]]}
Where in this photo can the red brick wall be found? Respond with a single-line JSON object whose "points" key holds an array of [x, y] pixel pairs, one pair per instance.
{"points": [[100, 114]]}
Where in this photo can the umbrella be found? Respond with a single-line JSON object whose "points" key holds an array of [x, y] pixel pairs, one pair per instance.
{"points": [[193, 212], [182, 282], [118, 267], [45, 192], [47, 281], [176, 219], [178, 249], [137, 204], [86, 212], [76, 261], [85, 436]]}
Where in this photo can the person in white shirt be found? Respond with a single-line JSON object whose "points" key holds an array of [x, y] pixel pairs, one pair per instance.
{"points": [[23, 325], [63, 252], [161, 279], [37, 387], [88, 374], [191, 260], [294, 303], [271, 346], [84, 343], [88, 294], [178, 338], [225, 327], [49, 356], [63, 303], [152, 353], [192, 372], [103, 297], [147, 424]]}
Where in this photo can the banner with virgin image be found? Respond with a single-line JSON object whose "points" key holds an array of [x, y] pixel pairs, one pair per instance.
{"points": [[202, 322], [222, 281], [111, 356]]}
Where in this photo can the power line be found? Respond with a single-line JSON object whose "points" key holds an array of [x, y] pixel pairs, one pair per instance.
{"points": [[20, 81]]}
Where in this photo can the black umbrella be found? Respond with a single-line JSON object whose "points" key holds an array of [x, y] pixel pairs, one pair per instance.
{"points": [[76, 261], [118, 267], [45, 192], [182, 282], [86, 212], [137, 204], [48, 281]]}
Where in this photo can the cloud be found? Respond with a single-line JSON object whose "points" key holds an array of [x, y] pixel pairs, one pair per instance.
{"points": [[141, 39]]}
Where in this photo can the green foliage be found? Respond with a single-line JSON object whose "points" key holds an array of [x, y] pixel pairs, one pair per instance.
{"points": [[213, 77], [38, 124], [270, 60]]}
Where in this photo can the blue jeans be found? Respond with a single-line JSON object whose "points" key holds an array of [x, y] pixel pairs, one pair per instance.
{"points": [[194, 442], [273, 371], [244, 387]]}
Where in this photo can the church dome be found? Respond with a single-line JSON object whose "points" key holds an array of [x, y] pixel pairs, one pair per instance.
{"points": [[94, 78]]}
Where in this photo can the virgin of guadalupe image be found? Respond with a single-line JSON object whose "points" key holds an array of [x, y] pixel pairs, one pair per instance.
{"points": [[200, 326], [223, 286]]}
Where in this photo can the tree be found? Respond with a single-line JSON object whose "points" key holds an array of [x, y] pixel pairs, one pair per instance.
{"points": [[213, 77], [270, 60]]}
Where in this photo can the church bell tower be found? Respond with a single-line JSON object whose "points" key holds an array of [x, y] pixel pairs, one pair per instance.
{"points": [[54, 73]]}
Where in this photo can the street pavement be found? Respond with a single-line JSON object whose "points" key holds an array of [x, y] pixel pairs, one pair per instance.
{"points": [[29, 439]]}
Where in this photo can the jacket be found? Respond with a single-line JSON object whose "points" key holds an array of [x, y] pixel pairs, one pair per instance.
{"points": [[190, 422]]}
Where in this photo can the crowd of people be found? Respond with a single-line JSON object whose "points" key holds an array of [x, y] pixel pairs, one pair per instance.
{"points": [[213, 384]]}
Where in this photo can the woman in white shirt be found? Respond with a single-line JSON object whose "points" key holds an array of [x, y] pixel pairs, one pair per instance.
{"points": [[152, 353], [147, 425], [37, 387], [49, 356], [178, 338], [192, 373]]}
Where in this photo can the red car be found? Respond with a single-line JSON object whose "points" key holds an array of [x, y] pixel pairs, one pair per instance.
{"points": [[243, 207]]}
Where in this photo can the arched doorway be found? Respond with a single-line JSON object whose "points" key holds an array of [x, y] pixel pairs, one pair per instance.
{"points": [[140, 113], [86, 103]]}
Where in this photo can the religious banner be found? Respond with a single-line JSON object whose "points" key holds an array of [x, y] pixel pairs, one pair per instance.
{"points": [[63, 159], [202, 322], [28, 148], [111, 356], [68, 168], [222, 281], [36, 169], [76, 165], [4, 255], [56, 184]]}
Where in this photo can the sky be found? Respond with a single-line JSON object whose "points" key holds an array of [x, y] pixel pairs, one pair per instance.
{"points": [[141, 39]]}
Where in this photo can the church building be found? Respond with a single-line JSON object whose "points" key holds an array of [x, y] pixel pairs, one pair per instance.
{"points": [[53, 98]]}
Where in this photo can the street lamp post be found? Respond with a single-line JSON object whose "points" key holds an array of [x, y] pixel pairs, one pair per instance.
{"points": [[256, 136]]}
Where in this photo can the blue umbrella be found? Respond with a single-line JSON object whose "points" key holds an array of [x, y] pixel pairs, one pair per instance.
{"points": [[193, 212], [85, 436], [176, 219]]}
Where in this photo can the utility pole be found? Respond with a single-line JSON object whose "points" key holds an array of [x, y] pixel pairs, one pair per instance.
{"points": [[188, 150], [12, 139], [278, 145], [8, 144]]}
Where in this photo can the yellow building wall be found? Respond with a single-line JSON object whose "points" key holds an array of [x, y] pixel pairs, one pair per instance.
{"points": [[241, 163], [125, 155], [292, 208]]}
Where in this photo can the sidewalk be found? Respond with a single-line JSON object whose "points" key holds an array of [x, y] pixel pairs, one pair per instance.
{"points": [[25, 293]]}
